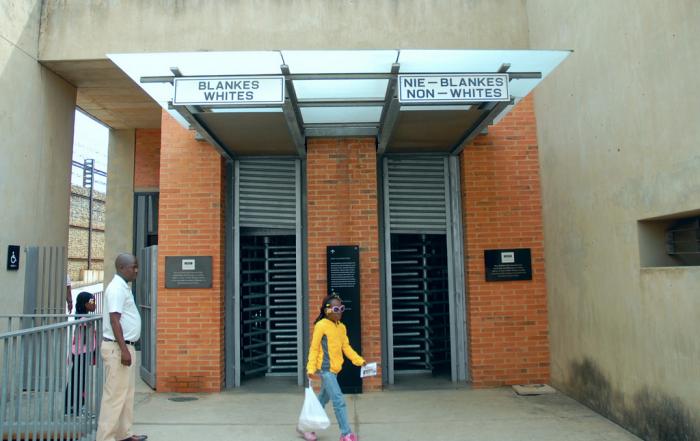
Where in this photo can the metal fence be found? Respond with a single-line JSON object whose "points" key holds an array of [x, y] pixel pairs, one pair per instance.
{"points": [[45, 280], [50, 377]]}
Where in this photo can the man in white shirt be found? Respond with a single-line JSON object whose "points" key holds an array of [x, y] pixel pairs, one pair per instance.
{"points": [[121, 329]]}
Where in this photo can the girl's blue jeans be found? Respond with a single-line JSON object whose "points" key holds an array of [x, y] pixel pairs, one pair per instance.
{"points": [[330, 390]]}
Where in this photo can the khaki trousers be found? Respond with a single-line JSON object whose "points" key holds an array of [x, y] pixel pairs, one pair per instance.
{"points": [[117, 407]]}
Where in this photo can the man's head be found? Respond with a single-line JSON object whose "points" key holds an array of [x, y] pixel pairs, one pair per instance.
{"points": [[127, 266]]}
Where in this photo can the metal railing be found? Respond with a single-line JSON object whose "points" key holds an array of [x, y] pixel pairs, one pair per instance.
{"points": [[50, 377]]}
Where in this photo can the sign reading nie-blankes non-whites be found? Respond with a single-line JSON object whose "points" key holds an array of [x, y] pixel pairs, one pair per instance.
{"points": [[205, 91], [442, 88]]}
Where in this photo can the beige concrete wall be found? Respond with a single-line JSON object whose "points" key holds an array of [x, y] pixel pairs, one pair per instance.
{"points": [[36, 122], [175, 25], [119, 208], [620, 141]]}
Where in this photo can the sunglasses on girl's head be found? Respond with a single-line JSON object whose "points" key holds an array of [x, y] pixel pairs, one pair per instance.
{"points": [[337, 309]]}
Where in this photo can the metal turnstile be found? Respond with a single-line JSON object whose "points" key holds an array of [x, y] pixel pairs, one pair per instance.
{"points": [[268, 305], [425, 312], [265, 309], [420, 304]]}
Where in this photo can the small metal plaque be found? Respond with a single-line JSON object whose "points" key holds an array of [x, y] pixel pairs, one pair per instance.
{"points": [[188, 271], [506, 265], [13, 257]]}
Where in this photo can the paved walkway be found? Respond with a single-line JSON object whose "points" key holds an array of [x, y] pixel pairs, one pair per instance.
{"points": [[437, 415]]}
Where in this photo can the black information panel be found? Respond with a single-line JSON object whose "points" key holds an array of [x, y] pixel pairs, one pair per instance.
{"points": [[343, 265], [505, 265], [188, 271], [13, 257]]}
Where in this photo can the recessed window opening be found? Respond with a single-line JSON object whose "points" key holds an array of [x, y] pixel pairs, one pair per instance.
{"points": [[672, 240], [683, 241]]}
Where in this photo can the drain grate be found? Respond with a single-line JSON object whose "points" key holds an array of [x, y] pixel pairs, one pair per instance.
{"points": [[183, 399]]}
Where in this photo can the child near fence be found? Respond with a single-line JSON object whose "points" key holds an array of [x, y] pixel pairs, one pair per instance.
{"points": [[83, 353]]}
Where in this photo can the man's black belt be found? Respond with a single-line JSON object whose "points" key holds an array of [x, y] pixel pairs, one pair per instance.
{"points": [[132, 343]]}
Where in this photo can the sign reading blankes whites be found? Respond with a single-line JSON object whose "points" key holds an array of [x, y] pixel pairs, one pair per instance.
{"points": [[231, 91], [452, 89]]}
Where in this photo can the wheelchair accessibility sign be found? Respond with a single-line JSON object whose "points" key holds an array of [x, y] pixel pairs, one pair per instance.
{"points": [[13, 257]]}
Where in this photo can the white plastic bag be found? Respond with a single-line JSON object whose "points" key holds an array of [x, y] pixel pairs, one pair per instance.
{"points": [[312, 417]]}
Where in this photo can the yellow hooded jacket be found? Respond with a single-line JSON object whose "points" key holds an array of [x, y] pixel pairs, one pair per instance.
{"points": [[328, 344]]}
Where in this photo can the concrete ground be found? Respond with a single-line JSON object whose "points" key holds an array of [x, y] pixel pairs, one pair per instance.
{"points": [[436, 415]]}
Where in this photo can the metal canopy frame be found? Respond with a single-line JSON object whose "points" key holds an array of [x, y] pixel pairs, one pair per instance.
{"points": [[383, 113], [382, 130]]}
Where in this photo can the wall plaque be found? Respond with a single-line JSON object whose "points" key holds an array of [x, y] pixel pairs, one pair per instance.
{"points": [[188, 271], [343, 270], [505, 265]]}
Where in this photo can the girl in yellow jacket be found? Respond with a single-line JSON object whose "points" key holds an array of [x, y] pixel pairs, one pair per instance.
{"points": [[328, 344]]}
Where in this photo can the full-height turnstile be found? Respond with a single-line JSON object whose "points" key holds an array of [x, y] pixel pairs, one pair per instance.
{"points": [[425, 312], [267, 276]]}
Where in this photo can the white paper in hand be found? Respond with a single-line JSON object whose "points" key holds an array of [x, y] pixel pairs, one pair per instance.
{"points": [[368, 370]]}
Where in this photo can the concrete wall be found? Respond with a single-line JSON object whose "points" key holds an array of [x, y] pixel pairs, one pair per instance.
{"points": [[36, 122], [173, 25], [119, 208], [619, 142]]}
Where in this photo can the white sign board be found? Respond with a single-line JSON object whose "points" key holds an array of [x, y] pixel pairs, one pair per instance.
{"points": [[228, 90], [466, 88], [508, 257]]}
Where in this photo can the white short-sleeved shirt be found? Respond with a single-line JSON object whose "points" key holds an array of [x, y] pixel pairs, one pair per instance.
{"points": [[118, 298]]}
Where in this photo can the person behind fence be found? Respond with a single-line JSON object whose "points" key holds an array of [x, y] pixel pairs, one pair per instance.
{"points": [[328, 344], [121, 329], [69, 295], [83, 347]]}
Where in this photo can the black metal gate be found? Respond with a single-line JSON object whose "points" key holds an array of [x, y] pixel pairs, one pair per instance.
{"points": [[268, 306], [267, 282], [420, 303], [425, 311]]}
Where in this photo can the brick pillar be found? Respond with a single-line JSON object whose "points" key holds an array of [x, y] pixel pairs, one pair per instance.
{"points": [[190, 348], [342, 210], [508, 340], [147, 160]]}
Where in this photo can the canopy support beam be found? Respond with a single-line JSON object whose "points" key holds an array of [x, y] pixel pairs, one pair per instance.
{"points": [[390, 112], [202, 131], [292, 114], [478, 126]]}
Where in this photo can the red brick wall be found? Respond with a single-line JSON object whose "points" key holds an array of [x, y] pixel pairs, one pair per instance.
{"points": [[508, 339], [342, 210], [147, 159], [190, 348]]}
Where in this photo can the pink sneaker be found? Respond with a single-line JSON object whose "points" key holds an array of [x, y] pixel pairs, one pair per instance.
{"points": [[349, 437], [308, 436]]}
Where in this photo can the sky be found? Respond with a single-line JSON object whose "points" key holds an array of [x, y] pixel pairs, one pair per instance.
{"points": [[90, 142]]}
